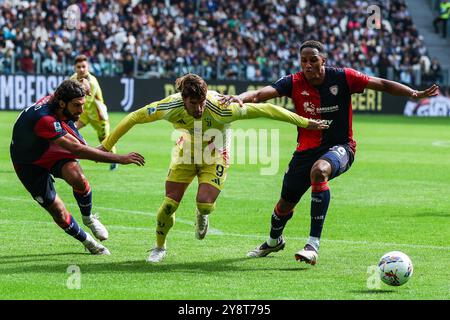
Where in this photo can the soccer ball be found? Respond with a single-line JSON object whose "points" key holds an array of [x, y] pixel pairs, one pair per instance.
{"points": [[395, 268]]}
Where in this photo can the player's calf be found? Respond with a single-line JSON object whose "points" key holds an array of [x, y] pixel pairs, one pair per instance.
{"points": [[65, 220], [83, 196], [165, 219], [68, 223]]}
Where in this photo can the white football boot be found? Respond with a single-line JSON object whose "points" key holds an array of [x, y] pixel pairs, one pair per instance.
{"points": [[201, 226], [156, 255], [264, 249], [97, 228], [94, 247], [308, 255]]}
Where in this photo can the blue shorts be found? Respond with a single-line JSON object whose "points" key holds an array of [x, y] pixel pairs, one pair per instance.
{"points": [[297, 178], [39, 181]]}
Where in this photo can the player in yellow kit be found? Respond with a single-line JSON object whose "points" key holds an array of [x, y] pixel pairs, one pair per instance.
{"points": [[95, 112], [202, 149]]}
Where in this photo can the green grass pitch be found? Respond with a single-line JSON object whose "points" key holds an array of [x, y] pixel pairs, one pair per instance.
{"points": [[395, 197]]}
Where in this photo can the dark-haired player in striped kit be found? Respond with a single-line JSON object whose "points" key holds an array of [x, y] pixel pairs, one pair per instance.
{"points": [[318, 92], [45, 142]]}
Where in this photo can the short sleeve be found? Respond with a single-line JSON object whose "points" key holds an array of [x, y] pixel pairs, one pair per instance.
{"points": [[357, 81], [49, 128], [284, 86]]}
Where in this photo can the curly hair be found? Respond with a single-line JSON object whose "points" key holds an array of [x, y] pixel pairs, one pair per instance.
{"points": [[192, 85], [68, 90]]}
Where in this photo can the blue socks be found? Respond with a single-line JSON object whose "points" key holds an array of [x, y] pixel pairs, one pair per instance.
{"points": [[74, 230], [84, 199], [320, 199], [278, 222]]}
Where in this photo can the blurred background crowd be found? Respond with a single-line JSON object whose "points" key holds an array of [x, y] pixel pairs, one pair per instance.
{"points": [[233, 40]]}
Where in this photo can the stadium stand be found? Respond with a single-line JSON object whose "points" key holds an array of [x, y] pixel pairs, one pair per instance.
{"points": [[215, 39]]}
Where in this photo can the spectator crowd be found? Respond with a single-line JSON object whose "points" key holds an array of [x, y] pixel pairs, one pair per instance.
{"points": [[233, 40]]}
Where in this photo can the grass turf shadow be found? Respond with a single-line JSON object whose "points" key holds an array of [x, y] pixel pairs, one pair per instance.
{"points": [[134, 266], [373, 291]]}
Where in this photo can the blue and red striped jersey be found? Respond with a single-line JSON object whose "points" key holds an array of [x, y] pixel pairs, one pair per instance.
{"points": [[331, 101], [35, 129]]}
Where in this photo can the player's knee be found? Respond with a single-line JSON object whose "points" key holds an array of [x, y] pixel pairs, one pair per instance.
{"points": [[205, 208], [74, 176], [63, 220], [169, 206], [176, 194], [284, 208], [320, 171], [81, 185], [207, 193]]}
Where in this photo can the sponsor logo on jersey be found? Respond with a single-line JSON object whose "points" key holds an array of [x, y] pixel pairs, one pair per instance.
{"points": [[58, 127], [327, 109], [305, 93], [328, 122], [334, 90], [151, 110], [309, 107]]}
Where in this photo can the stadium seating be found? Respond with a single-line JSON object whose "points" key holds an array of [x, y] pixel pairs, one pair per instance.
{"points": [[216, 39]]}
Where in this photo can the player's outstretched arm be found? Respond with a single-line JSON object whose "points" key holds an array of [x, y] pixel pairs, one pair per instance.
{"points": [[271, 111], [139, 116], [398, 89], [82, 151], [261, 95]]}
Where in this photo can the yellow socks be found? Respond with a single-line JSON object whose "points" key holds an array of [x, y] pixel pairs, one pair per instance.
{"points": [[205, 208], [165, 219]]}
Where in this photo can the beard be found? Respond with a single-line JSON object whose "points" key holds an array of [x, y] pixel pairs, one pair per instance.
{"points": [[70, 116]]}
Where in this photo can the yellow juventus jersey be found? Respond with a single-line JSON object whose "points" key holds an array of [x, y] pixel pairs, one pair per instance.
{"points": [[207, 131], [96, 91]]}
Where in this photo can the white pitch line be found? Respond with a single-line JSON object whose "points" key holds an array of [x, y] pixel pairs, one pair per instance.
{"points": [[252, 236], [445, 144], [134, 212], [151, 214]]}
